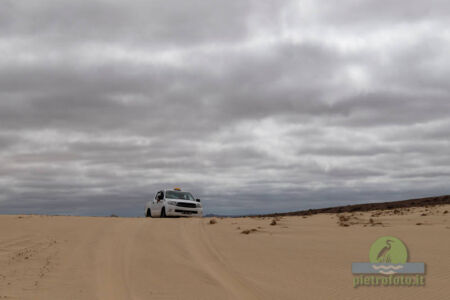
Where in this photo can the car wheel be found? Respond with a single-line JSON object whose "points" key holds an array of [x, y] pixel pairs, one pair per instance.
{"points": [[163, 212], [148, 214]]}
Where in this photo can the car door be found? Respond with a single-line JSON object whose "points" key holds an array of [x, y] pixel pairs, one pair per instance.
{"points": [[152, 205], [157, 204]]}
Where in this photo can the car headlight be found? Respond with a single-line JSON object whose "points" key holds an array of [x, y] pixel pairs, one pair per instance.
{"points": [[199, 205], [172, 203]]}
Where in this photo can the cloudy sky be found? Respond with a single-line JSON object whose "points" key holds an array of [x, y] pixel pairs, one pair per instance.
{"points": [[254, 106]]}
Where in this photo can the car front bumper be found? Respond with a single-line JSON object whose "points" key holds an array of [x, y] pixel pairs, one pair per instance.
{"points": [[176, 211]]}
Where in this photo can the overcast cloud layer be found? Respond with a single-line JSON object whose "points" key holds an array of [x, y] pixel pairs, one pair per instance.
{"points": [[254, 106]]}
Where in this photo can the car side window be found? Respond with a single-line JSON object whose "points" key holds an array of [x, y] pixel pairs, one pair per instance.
{"points": [[159, 195]]}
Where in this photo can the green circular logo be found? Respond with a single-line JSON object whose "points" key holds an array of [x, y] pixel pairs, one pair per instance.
{"points": [[388, 249]]}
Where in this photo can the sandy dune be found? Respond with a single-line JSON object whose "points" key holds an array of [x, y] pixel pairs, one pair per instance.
{"points": [[57, 257]]}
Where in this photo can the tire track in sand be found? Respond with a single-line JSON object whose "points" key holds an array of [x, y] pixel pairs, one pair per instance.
{"points": [[112, 265], [203, 251]]}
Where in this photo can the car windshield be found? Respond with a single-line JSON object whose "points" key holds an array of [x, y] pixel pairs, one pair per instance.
{"points": [[179, 195]]}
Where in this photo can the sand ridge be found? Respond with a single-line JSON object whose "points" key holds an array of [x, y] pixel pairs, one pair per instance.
{"points": [[282, 257]]}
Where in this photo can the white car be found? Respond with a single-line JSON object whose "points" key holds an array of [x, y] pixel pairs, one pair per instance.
{"points": [[176, 203]]}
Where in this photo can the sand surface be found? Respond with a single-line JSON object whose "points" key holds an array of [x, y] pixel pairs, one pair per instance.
{"points": [[59, 257]]}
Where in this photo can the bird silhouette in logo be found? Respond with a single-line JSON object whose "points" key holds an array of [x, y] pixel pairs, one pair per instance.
{"points": [[384, 255]]}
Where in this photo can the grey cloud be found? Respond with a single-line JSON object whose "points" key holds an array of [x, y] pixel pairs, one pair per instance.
{"points": [[8, 141], [140, 22], [104, 103], [393, 108], [378, 12]]}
